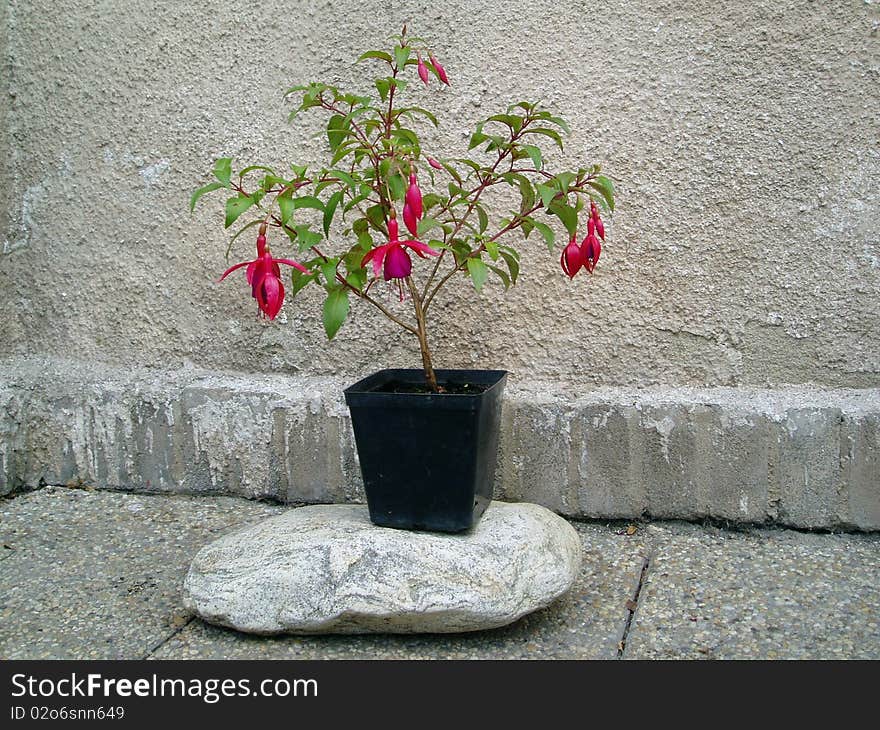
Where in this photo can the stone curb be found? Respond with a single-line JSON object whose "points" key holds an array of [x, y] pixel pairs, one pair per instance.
{"points": [[797, 456]]}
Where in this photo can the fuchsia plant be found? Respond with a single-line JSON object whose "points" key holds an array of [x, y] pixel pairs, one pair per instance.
{"points": [[374, 173]]}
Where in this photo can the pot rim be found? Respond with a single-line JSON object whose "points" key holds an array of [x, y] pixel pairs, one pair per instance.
{"points": [[494, 379]]}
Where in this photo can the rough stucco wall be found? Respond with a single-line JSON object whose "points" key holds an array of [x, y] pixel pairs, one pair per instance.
{"points": [[5, 151], [745, 249]]}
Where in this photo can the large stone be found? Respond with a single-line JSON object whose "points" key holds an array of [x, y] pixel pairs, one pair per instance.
{"points": [[328, 569]]}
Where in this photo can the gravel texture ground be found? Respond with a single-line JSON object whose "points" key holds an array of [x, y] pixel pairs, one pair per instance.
{"points": [[97, 575]]}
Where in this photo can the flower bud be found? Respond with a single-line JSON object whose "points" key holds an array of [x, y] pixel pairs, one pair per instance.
{"points": [[433, 163], [571, 260], [412, 223], [441, 72], [414, 197], [423, 71], [596, 220]]}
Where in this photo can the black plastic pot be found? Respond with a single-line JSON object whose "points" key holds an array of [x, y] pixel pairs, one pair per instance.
{"points": [[428, 460]]}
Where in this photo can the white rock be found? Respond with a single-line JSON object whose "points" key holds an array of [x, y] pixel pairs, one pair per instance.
{"points": [[328, 569]]}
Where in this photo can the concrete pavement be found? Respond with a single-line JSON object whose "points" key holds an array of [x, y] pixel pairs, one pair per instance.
{"points": [[93, 575]]}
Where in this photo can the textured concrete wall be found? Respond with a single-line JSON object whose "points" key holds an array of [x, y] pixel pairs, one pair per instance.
{"points": [[797, 456], [745, 251], [5, 147]]}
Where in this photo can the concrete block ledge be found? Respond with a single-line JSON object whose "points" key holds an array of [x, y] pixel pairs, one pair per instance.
{"points": [[796, 456]]}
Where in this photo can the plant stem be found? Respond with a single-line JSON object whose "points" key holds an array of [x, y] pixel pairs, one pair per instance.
{"points": [[430, 375]]}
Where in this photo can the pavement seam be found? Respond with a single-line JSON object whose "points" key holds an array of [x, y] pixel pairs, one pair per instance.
{"points": [[168, 638], [632, 605]]}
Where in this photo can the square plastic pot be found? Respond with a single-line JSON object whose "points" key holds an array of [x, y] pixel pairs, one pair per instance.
{"points": [[427, 459]]}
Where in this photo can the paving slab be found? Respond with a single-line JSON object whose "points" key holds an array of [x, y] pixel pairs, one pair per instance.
{"points": [[96, 575], [757, 594]]}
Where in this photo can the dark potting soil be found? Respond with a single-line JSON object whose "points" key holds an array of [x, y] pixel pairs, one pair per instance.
{"points": [[398, 386]]}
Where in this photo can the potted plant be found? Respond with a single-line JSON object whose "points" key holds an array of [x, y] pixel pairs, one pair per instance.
{"points": [[426, 438]]}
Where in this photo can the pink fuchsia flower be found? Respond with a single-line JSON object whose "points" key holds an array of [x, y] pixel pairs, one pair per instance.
{"points": [[441, 72], [590, 248], [433, 163], [391, 259], [571, 259], [423, 70], [264, 276]]}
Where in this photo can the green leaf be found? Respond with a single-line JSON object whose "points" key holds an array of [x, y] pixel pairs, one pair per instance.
{"points": [[397, 186], [479, 272], [376, 216], [223, 170], [477, 138], [328, 269], [335, 311], [451, 170], [330, 209], [308, 201], [345, 150], [566, 214], [410, 110], [383, 86], [605, 188], [251, 168], [547, 232], [492, 249], [512, 265], [201, 191], [527, 193], [475, 166], [357, 278], [565, 179], [456, 191], [429, 200], [522, 105], [344, 176], [381, 55], [484, 218], [561, 123], [305, 238], [337, 131], [547, 132], [360, 226], [235, 207], [547, 193], [285, 205], [502, 275], [299, 280], [511, 120], [535, 154], [271, 181], [401, 55], [427, 224], [408, 138]]}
